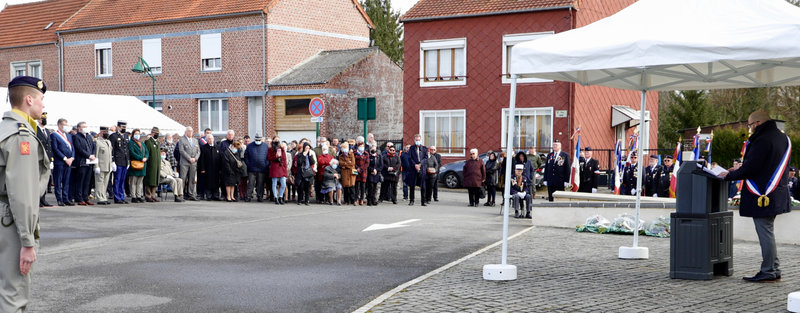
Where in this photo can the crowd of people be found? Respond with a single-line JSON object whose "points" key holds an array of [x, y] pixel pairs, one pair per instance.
{"points": [[121, 166]]}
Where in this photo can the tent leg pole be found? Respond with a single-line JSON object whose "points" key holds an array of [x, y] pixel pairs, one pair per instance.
{"points": [[637, 252], [504, 271]]}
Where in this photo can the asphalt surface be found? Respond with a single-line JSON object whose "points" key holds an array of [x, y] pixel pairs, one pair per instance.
{"points": [[246, 257]]}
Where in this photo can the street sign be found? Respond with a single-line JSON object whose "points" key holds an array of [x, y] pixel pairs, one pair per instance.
{"points": [[561, 113], [316, 107], [366, 109], [316, 119]]}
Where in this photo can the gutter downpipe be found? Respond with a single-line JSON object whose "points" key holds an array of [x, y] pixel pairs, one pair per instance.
{"points": [[60, 45]]}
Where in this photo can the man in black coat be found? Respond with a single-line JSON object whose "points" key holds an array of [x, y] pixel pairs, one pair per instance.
{"points": [[44, 136], [81, 173], [121, 157], [766, 191], [652, 173], [590, 168], [556, 171], [664, 178], [629, 176], [417, 173]]}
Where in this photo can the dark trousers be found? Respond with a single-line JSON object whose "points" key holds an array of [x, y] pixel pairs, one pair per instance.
{"points": [[318, 191], [419, 182], [430, 189], [384, 190], [110, 187], [474, 195], [74, 184], [391, 190], [405, 186], [303, 191], [491, 193], [361, 190], [348, 195], [552, 189], [766, 239], [255, 180], [119, 183], [201, 188], [242, 188], [85, 183], [61, 173], [372, 188]]}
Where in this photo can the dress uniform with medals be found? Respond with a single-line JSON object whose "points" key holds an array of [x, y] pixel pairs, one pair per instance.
{"points": [[556, 172], [652, 174], [629, 176], [121, 158], [589, 172], [24, 174], [664, 177]]}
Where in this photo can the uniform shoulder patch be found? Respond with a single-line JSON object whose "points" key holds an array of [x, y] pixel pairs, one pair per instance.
{"points": [[25, 148]]}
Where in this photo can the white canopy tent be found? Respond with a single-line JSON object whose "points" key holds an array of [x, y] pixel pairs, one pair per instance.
{"points": [[101, 110], [670, 45]]}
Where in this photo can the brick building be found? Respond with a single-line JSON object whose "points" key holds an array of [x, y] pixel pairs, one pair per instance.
{"points": [[28, 41], [212, 61], [456, 91]]}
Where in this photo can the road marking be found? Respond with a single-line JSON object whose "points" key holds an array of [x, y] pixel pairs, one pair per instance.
{"points": [[397, 289], [388, 226]]}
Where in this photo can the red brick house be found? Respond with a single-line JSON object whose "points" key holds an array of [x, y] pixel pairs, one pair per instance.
{"points": [[213, 60], [28, 41], [456, 91]]}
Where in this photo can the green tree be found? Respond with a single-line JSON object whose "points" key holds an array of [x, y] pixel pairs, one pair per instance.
{"points": [[727, 145], [388, 33], [679, 110]]}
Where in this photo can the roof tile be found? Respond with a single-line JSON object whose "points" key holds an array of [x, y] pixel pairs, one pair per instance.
{"points": [[322, 67], [433, 9], [24, 24]]}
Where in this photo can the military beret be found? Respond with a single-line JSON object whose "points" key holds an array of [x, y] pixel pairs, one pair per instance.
{"points": [[668, 157], [556, 141], [791, 169], [588, 149], [28, 81], [154, 130], [633, 154], [653, 156], [103, 128]]}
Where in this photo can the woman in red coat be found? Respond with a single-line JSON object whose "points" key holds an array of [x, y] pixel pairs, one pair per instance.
{"points": [[323, 160], [474, 175], [362, 166], [277, 168]]}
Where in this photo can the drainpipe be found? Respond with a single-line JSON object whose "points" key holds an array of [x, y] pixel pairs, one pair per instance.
{"points": [[264, 73], [572, 88], [60, 45]]}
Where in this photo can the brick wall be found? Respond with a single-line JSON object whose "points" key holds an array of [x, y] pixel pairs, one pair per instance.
{"points": [[47, 54], [485, 95]]}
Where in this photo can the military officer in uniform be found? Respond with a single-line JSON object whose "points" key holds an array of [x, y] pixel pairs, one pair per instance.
{"points": [[664, 177], [556, 171], [121, 157], [24, 174], [44, 137], [590, 168], [652, 173], [102, 169], [629, 176]]}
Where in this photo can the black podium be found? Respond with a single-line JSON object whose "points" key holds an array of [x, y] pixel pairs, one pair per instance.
{"points": [[701, 230]]}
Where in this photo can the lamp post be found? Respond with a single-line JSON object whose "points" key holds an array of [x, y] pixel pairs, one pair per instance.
{"points": [[142, 67]]}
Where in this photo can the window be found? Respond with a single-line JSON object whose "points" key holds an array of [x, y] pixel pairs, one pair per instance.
{"points": [[443, 62], [151, 53], [102, 56], [158, 105], [508, 42], [297, 106], [534, 128], [26, 68], [214, 115], [211, 51], [445, 130]]}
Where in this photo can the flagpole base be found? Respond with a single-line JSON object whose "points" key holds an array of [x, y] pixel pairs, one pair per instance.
{"points": [[499, 272], [793, 305], [634, 253]]}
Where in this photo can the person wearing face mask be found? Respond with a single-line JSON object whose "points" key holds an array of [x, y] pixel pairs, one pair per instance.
{"points": [[44, 136], [121, 155], [347, 163], [255, 156], [102, 169], [169, 145], [209, 168], [362, 166], [231, 169], [330, 182], [138, 152], [323, 160], [417, 171], [276, 155], [303, 171], [64, 152], [152, 176], [170, 177], [373, 175], [391, 172], [81, 169]]}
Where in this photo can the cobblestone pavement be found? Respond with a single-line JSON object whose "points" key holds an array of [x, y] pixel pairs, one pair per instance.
{"points": [[560, 270]]}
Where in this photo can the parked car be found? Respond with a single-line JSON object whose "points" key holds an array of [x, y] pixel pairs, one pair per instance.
{"points": [[452, 174]]}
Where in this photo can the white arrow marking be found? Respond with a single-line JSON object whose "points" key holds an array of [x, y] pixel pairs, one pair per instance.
{"points": [[387, 226]]}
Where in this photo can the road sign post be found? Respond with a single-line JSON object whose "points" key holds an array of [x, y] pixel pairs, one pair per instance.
{"points": [[316, 107], [366, 112]]}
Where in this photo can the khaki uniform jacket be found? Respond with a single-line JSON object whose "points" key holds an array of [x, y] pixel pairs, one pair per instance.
{"points": [[103, 154]]}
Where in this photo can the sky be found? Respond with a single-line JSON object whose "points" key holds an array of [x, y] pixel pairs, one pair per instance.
{"points": [[402, 5]]}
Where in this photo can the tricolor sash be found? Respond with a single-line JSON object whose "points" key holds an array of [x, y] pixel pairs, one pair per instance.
{"points": [[763, 200]]}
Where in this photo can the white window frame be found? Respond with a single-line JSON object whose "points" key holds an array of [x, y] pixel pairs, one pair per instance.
{"points": [[223, 124], [98, 47], [526, 112], [437, 114], [18, 64], [455, 43], [211, 52], [160, 108], [152, 57], [513, 39], [28, 69]]}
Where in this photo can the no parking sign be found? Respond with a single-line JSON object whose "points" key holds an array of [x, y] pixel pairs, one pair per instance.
{"points": [[316, 107]]}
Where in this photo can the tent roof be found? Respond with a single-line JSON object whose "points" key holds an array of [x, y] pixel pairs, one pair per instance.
{"points": [[676, 44], [101, 110]]}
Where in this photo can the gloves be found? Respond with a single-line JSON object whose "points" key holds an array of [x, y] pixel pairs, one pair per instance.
{"points": [[655, 195], [633, 192], [566, 185], [176, 175], [594, 190], [97, 170], [521, 194], [545, 183], [51, 165], [113, 167]]}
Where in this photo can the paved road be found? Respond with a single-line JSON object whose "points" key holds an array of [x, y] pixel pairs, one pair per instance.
{"points": [[246, 257]]}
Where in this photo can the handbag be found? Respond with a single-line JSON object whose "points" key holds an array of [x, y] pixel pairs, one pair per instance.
{"points": [[431, 170], [137, 165], [307, 172], [483, 192]]}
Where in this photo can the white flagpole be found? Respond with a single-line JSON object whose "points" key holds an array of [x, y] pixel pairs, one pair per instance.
{"points": [[637, 252]]}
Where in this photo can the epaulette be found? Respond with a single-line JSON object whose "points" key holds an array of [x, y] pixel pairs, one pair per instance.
{"points": [[24, 128]]}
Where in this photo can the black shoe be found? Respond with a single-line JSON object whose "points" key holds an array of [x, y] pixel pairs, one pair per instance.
{"points": [[528, 215], [516, 214], [424, 204], [436, 199], [259, 200], [306, 203], [411, 202], [247, 199], [487, 204], [125, 201], [69, 203], [762, 278], [179, 200], [394, 202], [60, 203]]}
